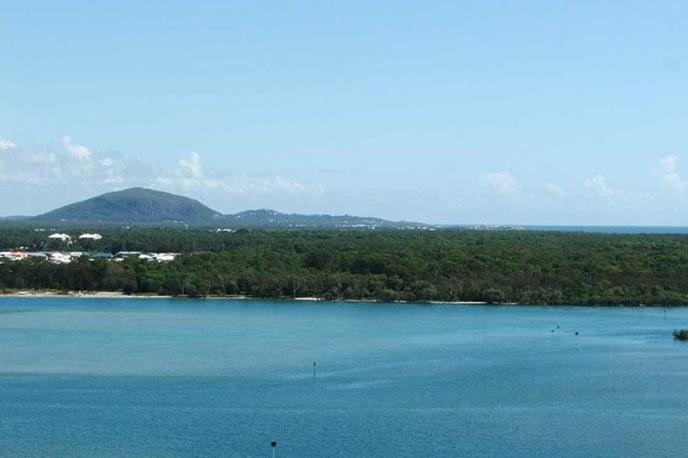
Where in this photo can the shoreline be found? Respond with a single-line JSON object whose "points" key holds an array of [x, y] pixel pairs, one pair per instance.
{"points": [[37, 294], [77, 294], [121, 295]]}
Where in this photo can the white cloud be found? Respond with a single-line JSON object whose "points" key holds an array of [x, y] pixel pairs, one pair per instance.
{"points": [[668, 176], [71, 169], [598, 185], [6, 144], [41, 158], [78, 151], [189, 174], [113, 178], [191, 167], [554, 188], [501, 182], [76, 166]]}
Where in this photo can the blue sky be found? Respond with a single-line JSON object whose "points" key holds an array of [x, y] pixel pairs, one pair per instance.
{"points": [[446, 112]]}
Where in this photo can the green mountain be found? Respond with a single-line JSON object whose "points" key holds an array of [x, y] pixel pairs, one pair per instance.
{"points": [[134, 205], [140, 206]]}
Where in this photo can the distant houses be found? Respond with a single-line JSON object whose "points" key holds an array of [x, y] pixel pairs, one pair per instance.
{"points": [[157, 257], [58, 254], [66, 257], [14, 255]]}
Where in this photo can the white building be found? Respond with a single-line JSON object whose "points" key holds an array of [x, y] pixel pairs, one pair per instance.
{"points": [[127, 254], [61, 237], [60, 258], [90, 236], [165, 257], [14, 255]]}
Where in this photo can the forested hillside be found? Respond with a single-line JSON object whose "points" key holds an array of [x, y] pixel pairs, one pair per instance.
{"points": [[148, 207], [134, 204]]}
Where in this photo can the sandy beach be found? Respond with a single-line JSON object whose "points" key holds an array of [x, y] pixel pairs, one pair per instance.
{"points": [[121, 295], [89, 294]]}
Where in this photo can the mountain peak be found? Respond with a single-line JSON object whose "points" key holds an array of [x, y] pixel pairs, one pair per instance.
{"points": [[138, 205], [151, 207]]}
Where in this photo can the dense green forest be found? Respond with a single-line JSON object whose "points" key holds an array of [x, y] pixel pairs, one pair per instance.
{"points": [[444, 265]]}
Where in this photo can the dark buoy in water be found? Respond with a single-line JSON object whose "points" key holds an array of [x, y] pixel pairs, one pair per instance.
{"points": [[273, 446], [314, 366], [576, 332]]}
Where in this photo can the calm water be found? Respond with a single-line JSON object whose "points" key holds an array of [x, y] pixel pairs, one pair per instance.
{"points": [[598, 229], [614, 229], [98, 377]]}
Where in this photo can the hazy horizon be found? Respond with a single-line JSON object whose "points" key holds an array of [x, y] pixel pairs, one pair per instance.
{"points": [[534, 113]]}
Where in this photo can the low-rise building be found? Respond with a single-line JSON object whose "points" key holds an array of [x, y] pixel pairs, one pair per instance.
{"points": [[65, 257], [60, 237], [59, 258], [165, 257], [37, 255], [9, 255], [88, 236]]}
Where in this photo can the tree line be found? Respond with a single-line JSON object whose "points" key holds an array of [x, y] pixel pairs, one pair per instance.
{"points": [[390, 265]]}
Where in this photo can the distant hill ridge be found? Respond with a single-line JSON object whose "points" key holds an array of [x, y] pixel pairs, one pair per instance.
{"points": [[151, 207]]}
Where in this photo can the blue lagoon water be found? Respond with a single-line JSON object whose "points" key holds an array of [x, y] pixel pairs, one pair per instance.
{"points": [[100, 377]]}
